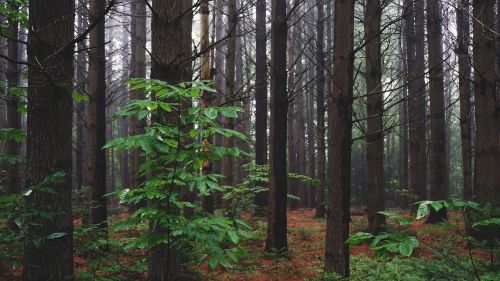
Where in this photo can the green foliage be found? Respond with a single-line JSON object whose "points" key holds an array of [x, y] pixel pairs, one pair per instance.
{"points": [[175, 145]]}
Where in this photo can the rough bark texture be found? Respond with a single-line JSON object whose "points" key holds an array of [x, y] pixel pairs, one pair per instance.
{"points": [[96, 118], [49, 149], [375, 111], [261, 96], [416, 97], [439, 174], [320, 110], [230, 94], [487, 177], [13, 148], [277, 220], [138, 70], [171, 54], [340, 141]]}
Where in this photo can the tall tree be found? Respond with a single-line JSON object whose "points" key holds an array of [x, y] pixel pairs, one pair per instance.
{"points": [[230, 94], [374, 112], [487, 178], [96, 117], [340, 141], [138, 70], [260, 95], [12, 147], [171, 58], [320, 109], [49, 146], [439, 174], [81, 78], [416, 96], [277, 219]]}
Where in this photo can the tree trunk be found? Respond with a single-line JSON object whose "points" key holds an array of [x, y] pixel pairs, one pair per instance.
{"points": [[96, 118], [374, 112], [12, 147], [439, 188], [320, 109], [230, 94], [277, 219], [260, 97], [138, 70], [49, 150], [81, 73], [416, 98], [171, 34], [487, 178], [402, 201], [340, 141]]}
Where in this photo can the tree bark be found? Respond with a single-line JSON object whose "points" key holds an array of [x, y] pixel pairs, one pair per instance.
{"points": [[81, 73], [340, 141], [171, 58], [96, 118], [487, 178], [374, 112], [439, 184], [138, 70], [260, 97], [49, 145], [12, 147], [277, 217]]}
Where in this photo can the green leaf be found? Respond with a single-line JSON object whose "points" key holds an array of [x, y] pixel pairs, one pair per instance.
{"points": [[423, 209], [359, 238], [211, 113], [56, 235]]}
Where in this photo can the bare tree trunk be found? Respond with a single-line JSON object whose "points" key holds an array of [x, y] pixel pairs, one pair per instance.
{"points": [[96, 118], [320, 106], [12, 147], [171, 62], [49, 151], [261, 97], [487, 178], [138, 70], [311, 147], [340, 141], [374, 112], [293, 112], [277, 217], [403, 173]]}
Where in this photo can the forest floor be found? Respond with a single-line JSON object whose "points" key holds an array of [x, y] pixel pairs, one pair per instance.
{"points": [[306, 236]]}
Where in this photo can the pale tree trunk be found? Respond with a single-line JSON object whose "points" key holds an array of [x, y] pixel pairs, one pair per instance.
{"points": [[96, 118], [277, 217], [49, 151], [340, 141], [293, 111], [487, 177], [374, 113], [403, 172]]}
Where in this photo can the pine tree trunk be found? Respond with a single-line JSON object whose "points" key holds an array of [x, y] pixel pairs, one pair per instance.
{"points": [[81, 72], [374, 112], [277, 217], [487, 177], [340, 141], [96, 118], [12, 147], [260, 97], [49, 145], [171, 62], [439, 188]]}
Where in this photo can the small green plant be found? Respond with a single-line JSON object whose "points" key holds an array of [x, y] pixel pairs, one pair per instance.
{"points": [[175, 145]]}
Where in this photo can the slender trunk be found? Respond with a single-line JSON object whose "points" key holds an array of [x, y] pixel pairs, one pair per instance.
{"points": [[320, 107], [277, 219], [374, 112], [340, 141], [12, 147], [311, 147], [261, 97], [402, 201], [96, 118], [487, 178], [81, 73], [49, 151], [293, 111]]}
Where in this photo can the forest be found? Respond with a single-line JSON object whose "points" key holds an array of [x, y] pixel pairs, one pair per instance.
{"points": [[260, 140]]}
